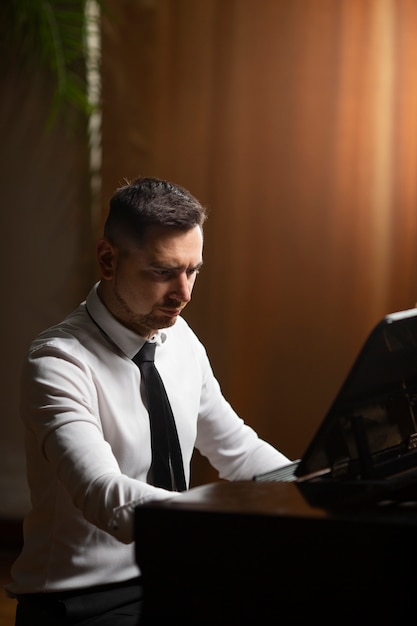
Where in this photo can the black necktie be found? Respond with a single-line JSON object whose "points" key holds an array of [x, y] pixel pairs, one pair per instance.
{"points": [[167, 466]]}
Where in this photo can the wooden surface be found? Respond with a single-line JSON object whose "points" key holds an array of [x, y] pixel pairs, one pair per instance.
{"points": [[246, 553]]}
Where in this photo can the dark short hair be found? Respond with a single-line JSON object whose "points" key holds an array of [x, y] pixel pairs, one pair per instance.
{"points": [[151, 201]]}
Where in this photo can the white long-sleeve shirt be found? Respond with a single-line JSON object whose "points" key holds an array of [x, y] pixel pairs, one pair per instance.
{"points": [[88, 443]]}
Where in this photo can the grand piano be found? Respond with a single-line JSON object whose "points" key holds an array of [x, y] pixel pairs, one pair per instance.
{"points": [[258, 553], [335, 542]]}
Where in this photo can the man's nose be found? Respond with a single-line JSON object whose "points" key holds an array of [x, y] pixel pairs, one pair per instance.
{"points": [[183, 288]]}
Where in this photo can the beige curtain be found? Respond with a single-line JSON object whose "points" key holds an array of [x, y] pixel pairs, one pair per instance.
{"points": [[295, 121]]}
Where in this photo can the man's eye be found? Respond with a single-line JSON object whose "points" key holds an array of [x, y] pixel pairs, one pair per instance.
{"points": [[162, 273], [167, 274]]}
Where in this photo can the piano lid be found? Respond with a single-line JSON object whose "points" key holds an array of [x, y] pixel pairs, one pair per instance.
{"points": [[370, 430]]}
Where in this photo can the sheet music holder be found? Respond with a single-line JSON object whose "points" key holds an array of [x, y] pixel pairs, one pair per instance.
{"points": [[365, 450]]}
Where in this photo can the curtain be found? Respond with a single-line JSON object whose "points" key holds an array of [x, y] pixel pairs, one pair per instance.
{"points": [[295, 122]]}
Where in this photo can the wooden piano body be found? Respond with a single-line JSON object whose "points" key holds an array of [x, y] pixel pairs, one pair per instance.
{"points": [[258, 553]]}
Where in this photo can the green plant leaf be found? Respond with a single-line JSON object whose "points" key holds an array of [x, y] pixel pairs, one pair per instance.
{"points": [[51, 34]]}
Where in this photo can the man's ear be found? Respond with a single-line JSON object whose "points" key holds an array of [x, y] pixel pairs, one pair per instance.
{"points": [[106, 257]]}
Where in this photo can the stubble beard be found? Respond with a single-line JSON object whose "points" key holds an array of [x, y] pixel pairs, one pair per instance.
{"points": [[144, 325]]}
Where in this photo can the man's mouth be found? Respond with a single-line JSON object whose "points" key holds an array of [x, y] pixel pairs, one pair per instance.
{"points": [[171, 311]]}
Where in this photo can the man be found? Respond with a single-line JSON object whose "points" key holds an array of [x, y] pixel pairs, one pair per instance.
{"points": [[90, 452]]}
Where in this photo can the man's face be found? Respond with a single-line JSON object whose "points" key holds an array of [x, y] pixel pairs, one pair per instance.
{"points": [[146, 288]]}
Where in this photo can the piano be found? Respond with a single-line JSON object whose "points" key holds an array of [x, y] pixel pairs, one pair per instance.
{"points": [[257, 553], [335, 542]]}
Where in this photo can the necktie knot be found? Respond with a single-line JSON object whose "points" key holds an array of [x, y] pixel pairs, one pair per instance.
{"points": [[146, 354]]}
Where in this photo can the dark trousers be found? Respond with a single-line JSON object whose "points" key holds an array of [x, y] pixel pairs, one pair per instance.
{"points": [[110, 605]]}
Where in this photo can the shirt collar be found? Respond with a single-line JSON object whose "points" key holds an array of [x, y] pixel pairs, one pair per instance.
{"points": [[124, 338]]}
